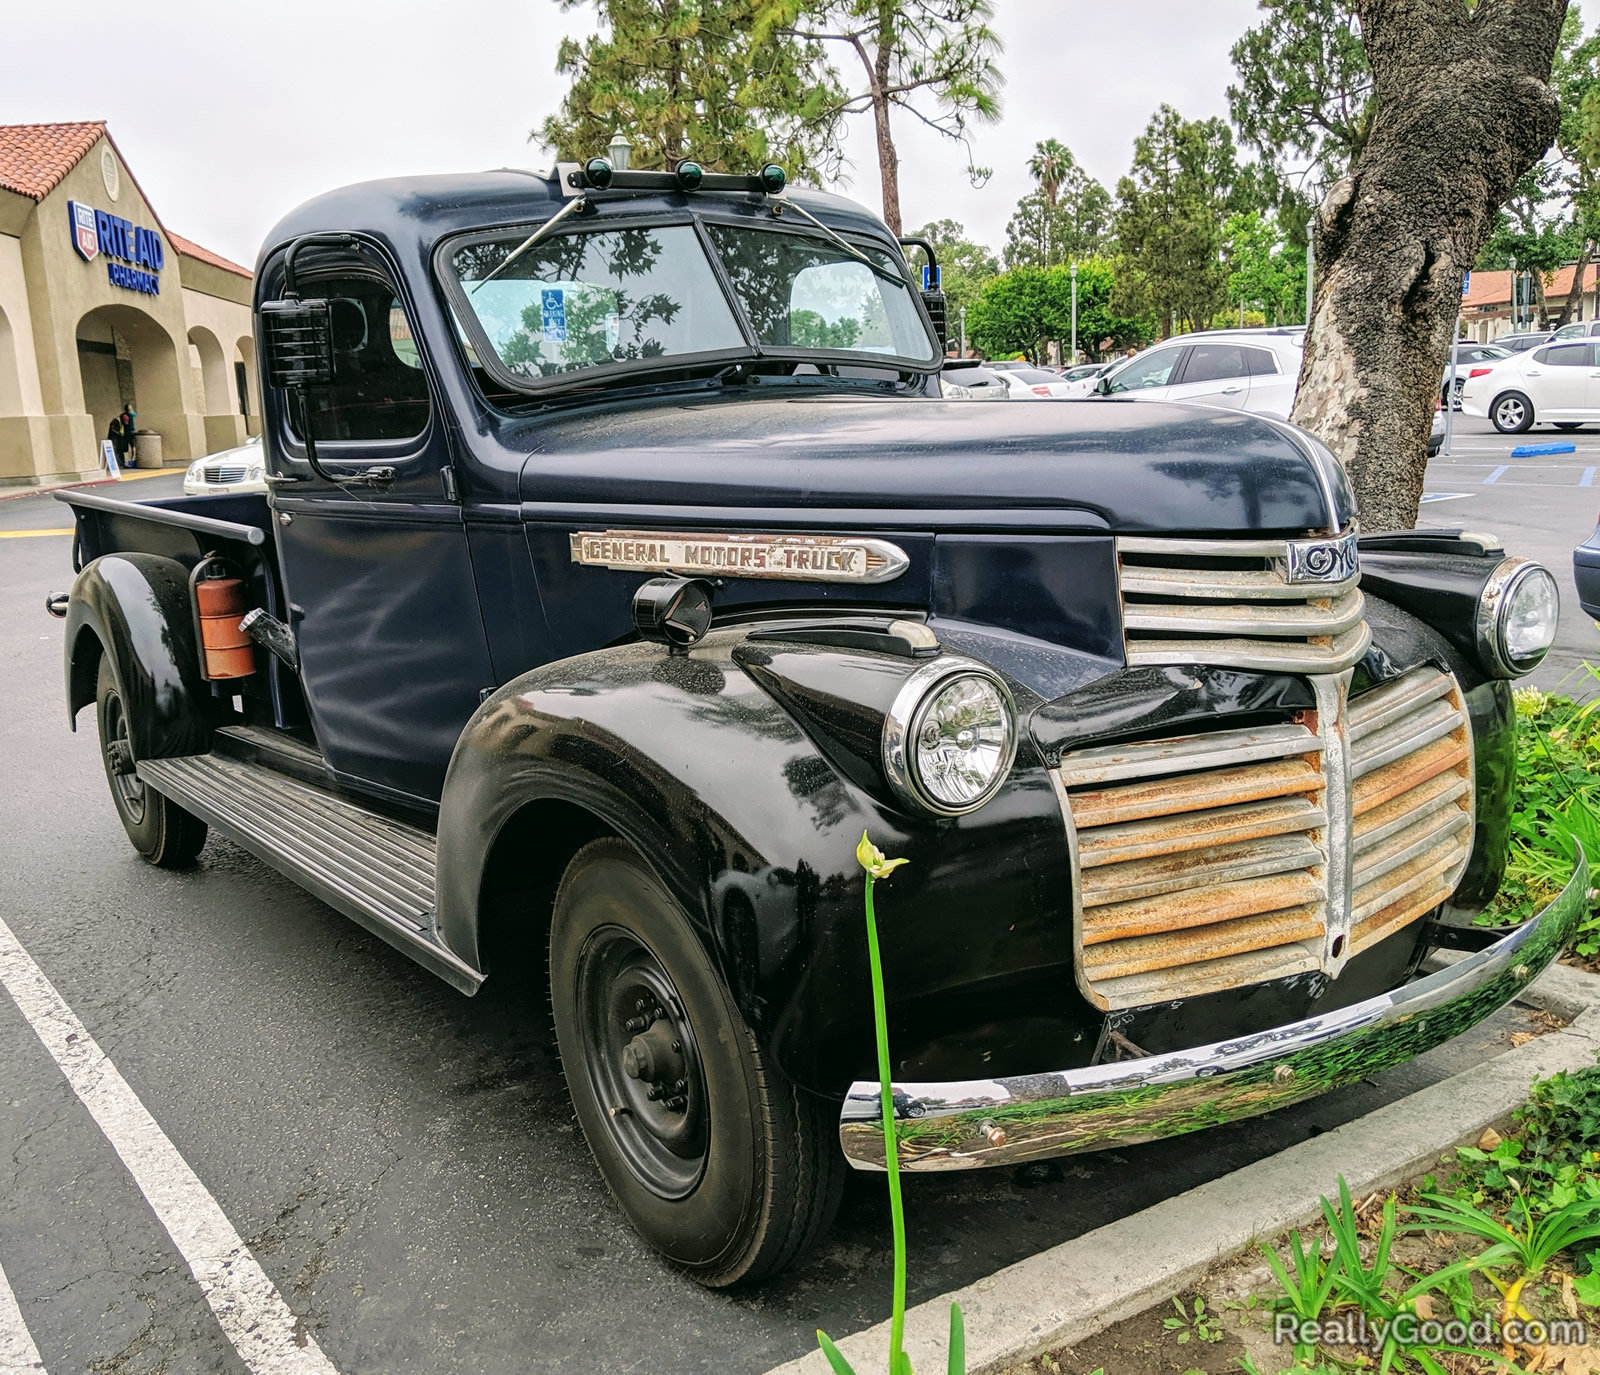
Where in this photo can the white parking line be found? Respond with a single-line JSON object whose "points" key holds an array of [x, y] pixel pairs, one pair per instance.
{"points": [[253, 1315], [18, 1354]]}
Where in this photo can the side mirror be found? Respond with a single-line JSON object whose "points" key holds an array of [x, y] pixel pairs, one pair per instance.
{"points": [[297, 343], [1102, 385]]}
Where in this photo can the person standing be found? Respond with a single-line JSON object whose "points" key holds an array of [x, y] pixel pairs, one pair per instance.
{"points": [[120, 433]]}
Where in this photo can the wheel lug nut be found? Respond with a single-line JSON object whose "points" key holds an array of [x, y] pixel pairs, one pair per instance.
{"points": [[678, 1046], [654, 1093]]}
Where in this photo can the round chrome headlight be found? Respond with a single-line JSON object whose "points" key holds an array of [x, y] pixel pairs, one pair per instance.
{"points": [[950, 737], [1517, 615]]}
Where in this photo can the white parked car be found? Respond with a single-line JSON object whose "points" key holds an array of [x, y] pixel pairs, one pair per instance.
{"points": [[967, 383], [1034, 384], [232, 470], [1253, 370], [1083, 376], [1559, 383]]}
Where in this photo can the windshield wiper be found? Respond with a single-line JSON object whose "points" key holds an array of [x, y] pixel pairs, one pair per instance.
{"points": [[533, 238], [845, 244]]}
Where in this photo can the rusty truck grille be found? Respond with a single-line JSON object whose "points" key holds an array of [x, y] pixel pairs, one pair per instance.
{"points": [[1211, 861], [1229, 602], [1411, 799]]}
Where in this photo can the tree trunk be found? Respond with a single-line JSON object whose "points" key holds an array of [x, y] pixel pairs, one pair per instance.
{"points": [[1575, 291], [888, 158], [1537, 278], [1461, 108]]}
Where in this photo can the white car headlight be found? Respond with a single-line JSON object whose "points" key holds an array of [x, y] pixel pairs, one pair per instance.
{"points": [[950, 737], [254, 473], [194, 474], [1517, 616]]}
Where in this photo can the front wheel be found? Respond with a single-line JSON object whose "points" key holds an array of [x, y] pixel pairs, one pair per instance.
{"points": [[161, 831], [720, 1163], [1512, 413]]}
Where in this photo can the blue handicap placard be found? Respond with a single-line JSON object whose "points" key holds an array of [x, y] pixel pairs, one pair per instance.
{"points": [[553, 314]]}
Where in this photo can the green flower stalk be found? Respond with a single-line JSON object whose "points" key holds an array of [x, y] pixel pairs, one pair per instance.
{"points": [[877, 866]]}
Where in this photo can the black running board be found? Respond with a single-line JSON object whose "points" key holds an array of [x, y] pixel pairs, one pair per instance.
{"points": [[378, 872]]}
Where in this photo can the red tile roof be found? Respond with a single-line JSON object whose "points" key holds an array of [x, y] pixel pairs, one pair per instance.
{"points": [[189, 249], [35, 157], [1487, 290]]}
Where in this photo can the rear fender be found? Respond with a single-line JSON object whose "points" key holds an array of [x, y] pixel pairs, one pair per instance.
{"points": [[135, 608]]}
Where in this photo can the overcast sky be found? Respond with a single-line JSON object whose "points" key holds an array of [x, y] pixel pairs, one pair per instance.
{"points": [[231, 113]]}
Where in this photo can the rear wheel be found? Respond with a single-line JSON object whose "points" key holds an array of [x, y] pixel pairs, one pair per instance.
{"points": [[723, 1165], [1511, 413], [1569, 424], [161, 831]]}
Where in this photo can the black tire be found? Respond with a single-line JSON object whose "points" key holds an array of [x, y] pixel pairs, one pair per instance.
{"points": [[161, 831], [1569, 424], [722, 1165], [1511, 412]]}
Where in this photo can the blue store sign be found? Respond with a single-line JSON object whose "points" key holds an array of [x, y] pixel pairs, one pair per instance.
{"points": [[138, 254]]}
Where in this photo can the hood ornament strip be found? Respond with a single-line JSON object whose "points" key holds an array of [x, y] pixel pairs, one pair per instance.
{"points": [[798, 558]]}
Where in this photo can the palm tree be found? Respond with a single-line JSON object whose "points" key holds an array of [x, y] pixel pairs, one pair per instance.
{"points": [[1049, 165]]}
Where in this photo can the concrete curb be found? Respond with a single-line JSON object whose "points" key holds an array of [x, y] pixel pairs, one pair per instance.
{"points": [[1067, 1294]]}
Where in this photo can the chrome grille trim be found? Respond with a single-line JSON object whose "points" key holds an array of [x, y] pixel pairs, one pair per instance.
{"points": [[1188, 601], [1205, 862], [220, 474]]}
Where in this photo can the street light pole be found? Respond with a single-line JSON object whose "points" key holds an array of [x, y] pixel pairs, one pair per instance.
{"points": [[1073, 356], [1514, 321], [1311, 272], [963, 331]]}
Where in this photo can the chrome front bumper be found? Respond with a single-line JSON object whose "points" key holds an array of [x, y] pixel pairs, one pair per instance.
{"points": [[964, 1125]]}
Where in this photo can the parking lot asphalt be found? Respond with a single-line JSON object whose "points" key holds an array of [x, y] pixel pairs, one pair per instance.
{"points": [[1541, 507], [401, 1161]]}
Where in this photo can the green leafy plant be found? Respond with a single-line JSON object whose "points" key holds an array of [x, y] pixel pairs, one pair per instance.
{"points": [[1556, 801], [1366, 1284], [1530, 1244], [878, 866], [1305, 1294], [1199, 1323]]}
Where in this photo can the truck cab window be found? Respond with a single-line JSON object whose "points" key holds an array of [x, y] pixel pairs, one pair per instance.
{"points": [[379, 389]]}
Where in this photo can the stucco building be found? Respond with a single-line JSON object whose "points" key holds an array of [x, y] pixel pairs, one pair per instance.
{"points": [[102, 306]]}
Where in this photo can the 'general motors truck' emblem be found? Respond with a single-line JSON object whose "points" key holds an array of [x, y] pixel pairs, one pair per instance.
{"points": [[1321, 560], [803, 558]]}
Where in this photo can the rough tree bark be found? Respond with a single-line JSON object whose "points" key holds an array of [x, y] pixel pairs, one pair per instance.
{"points": [[1461, 108]]}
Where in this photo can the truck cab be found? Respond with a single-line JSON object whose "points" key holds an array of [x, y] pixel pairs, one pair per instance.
{"points": [[621, 564]]}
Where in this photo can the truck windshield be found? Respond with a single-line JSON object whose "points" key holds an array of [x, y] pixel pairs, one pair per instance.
{"points": [[802, 292], [608, 297]]}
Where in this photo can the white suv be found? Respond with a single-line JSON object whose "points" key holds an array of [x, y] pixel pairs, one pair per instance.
{"points": [[1253, 370]]}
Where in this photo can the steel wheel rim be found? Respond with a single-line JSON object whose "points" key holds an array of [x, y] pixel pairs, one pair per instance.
{"points": [[1509, 413], [642, 1062], [129, 787]]}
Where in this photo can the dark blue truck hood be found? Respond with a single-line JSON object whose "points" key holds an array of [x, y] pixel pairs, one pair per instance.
{"points": [[1122, 465]]}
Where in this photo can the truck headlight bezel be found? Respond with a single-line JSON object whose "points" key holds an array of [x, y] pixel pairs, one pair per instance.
{"points": [[1509, 585], [918, 697]]}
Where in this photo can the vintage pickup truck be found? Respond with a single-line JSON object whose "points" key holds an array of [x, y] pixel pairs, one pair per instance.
{"points": [[621, 564]]}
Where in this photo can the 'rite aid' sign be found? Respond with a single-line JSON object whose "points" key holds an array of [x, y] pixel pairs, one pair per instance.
{"points": [[140, 253]]}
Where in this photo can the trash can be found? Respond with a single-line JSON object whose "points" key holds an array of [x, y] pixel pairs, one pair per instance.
{"points": [[149, 444]]}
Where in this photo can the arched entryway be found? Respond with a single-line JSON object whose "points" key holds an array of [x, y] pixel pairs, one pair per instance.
{"points": [[247, 386], [127, 359], [224, 424], [10, 376]]}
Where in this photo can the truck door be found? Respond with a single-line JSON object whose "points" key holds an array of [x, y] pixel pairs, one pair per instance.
{"points": [[385, 612]]}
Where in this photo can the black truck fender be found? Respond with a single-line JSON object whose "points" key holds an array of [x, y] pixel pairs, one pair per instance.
{"points": [[135, 609], [730, 772]]}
